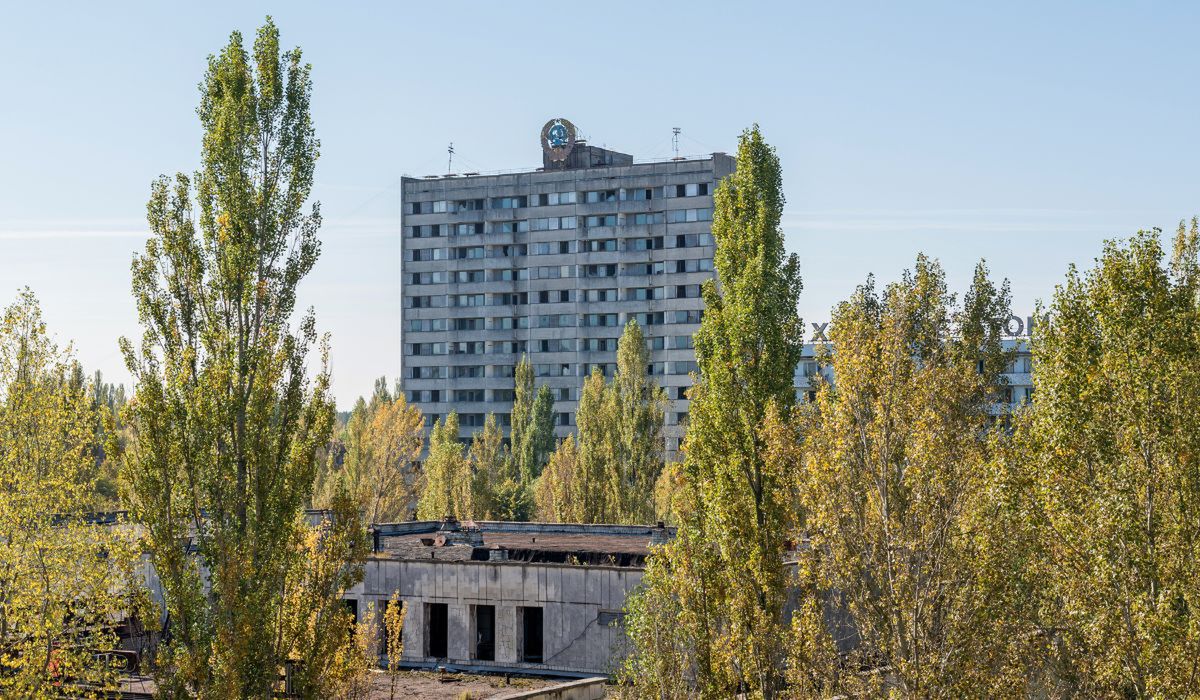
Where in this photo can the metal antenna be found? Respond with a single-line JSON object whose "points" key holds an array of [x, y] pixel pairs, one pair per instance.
{"points": [[675, 140], [450, 161]]}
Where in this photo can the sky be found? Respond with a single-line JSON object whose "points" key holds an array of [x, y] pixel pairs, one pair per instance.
{"points": [[1025, 134]]}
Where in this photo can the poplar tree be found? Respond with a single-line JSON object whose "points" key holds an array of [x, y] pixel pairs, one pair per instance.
{"points": [[446, 479], [724, 572], [64, 581], [609, 474], [892, 473], [227, 422], [489, 470], [1114, 440]]}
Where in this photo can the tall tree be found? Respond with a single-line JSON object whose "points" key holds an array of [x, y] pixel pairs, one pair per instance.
{"points": [[609, 475], [446, 480], [532, 424], [227, 423], [490, 476], [1114, 436], [724, 571], [64, 581], [380, 445], [892, 468], [639, 408]]}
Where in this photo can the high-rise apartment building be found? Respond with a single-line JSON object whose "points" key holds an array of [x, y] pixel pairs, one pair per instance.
{"points": [[552, 264]]}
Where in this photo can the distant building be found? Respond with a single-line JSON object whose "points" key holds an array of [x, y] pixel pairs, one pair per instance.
{"points": [[1018, 376], [552, 263], [508, 597]]}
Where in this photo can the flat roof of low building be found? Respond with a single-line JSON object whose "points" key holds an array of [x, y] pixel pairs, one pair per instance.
{"points": [[498, 541]]}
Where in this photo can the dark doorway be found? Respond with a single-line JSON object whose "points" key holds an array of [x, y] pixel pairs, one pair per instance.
{"points": [[352, 608], [531, 635], [435, 630], [485, 632]]}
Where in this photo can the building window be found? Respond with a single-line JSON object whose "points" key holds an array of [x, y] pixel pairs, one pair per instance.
{"points": [[551, 199], [603, 245], [645, 219], [604, 220], [436, 622], [552, 223], [511, 227], [468, 229], [467, 276], [555, 248], [519, 202], [639, 244], [650, 318], [529, 634], [698, 265], [692, 190], [503, 395], [599, 320], [484, 623], [508, 251], [594, 295], [609, 270], [600, 196], [438, 372], [680, 216], [638, 194], [427, 254], [468, 395], [643, 293], [467, 372]]}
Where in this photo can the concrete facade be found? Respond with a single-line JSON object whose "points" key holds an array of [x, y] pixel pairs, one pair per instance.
{"points": [[581, 602], [552, 264]]}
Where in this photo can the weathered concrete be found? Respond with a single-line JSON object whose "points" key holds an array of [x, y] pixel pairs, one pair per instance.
{"points": [[585, 689]]}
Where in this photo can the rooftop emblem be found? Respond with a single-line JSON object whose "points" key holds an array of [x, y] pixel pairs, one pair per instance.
{"points": [[558, 138]]}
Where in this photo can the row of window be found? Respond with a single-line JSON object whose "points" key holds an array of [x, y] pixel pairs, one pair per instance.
{"points": [[699, 189], [476, 420], [556, 223], [553, 296], [543, 369], [600, 245], [553, 272]]}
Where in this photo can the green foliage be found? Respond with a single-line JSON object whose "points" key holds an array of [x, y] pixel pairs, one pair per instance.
{"points": [[446, 487], [227, 423], [892, 474], [374, 457], [489, 467], [609, 475], [532, 431], [63, 581], [724, 571], [1113, 443]]}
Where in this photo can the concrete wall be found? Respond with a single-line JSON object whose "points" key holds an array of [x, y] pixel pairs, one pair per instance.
{"points": [[576, 641], [586, 689]]}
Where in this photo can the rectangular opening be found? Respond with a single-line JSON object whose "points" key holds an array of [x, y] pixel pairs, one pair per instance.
{"points": [[485, 632], [435, 630], [530, 647], [387, 606], [352, 608]]}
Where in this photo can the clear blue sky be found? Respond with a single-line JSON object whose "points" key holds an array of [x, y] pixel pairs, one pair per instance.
{"points": [[1022, 133]]}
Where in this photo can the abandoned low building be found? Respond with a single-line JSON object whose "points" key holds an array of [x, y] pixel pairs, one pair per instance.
{"points": [[508, 596]]}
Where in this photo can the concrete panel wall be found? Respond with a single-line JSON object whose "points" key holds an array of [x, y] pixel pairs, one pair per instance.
{"points": [[575, 637]]}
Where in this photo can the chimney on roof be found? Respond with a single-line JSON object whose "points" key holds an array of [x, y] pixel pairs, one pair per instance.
{"points": [[658, 535]]}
